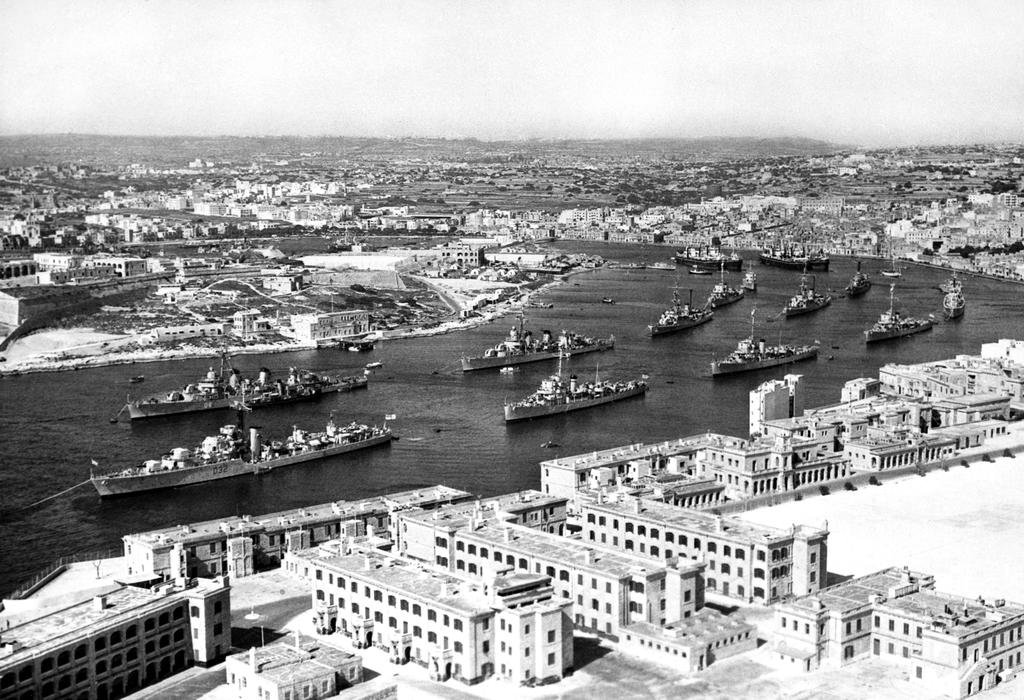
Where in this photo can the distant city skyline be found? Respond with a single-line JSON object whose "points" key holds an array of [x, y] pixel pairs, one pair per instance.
{"points": [[870, 73]]}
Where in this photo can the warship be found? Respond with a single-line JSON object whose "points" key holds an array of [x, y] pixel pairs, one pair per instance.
{"points": [[806, 300], [679, 317], [216, 391], [722, 294], [751, 354], [228, 454], [521, 347], [892, 325], [556, 396]]}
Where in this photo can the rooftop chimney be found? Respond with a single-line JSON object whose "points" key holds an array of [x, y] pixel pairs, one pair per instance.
{"points": [[637, 507], [99, 602], [298, 647]]}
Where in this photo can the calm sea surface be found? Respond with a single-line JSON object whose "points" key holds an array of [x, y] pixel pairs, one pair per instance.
{"points": [[450, 423]]}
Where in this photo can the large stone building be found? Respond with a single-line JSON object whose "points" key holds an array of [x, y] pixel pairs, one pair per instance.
{"points": [[750, 563], [469, 629], [317, 328], [240, 546], [950, 645], [116, 643]]}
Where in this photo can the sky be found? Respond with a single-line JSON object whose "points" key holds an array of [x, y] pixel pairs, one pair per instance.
{"points": [[869, 72]]}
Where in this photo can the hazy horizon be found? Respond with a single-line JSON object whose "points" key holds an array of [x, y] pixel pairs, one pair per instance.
{"points": [[872, 74]]}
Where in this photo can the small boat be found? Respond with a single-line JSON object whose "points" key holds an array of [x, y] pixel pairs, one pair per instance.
{"points": [[607, 300], [374, 365], [137, 379], [698, 271], [950, 285], [507, 370], [549, 444], [750, 281], [893, 271]]}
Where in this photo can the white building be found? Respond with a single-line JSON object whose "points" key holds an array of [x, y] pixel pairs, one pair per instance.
{"points": [[334, 326], [775, 399]]}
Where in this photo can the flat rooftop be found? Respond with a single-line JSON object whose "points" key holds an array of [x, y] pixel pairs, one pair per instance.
{"points": [[565, 551], [458, 514], [289, 661], [431, 585], [723, 527], [626, 453], [952, 614], [854, 593], [80, 620], [323, 512], [700, 629]]}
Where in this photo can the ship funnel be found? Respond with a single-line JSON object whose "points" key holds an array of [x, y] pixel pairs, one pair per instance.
{"points": [[254, 444], [211, 375], [760, 346], [546, 337], [264, 375], [233, 380], [572, 383]]}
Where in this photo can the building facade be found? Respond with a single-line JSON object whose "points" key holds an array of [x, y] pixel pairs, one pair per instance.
{"points": [[117, 643]]}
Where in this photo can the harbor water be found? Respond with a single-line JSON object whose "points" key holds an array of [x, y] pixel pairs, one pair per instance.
{"points": [[450, 423]]}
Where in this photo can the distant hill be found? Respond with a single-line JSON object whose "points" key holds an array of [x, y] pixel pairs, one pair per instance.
{"points": [[176, 151]]}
